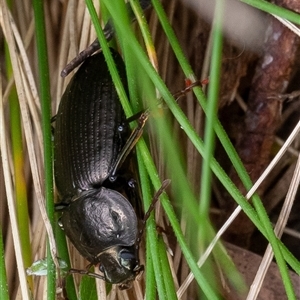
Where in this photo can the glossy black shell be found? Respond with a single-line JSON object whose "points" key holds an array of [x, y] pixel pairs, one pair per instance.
{"points": [[87, 137], [91, 130]]}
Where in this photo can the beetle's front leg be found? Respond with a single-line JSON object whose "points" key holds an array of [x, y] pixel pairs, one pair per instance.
{"points": [[130, 143], [87, 272]]}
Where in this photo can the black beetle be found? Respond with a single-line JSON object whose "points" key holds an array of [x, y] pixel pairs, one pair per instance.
{"points": [[100, 197]]}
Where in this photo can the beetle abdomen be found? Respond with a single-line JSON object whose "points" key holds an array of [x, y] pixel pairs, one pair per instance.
{"points": [[87, 139]]}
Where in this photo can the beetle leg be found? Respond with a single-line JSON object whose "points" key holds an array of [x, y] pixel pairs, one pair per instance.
{"points": [[92, 48], [108, 31], [86, 272], [134, 117], [189, 87], [164, 185], [131, 142], [64, 290], [80, 58]]}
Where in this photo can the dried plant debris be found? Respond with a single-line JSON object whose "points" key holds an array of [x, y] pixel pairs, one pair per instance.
{"points": [[262, 119]]}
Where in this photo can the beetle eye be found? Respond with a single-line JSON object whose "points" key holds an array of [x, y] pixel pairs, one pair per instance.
{"points": [[126, 255], [128, 259]]}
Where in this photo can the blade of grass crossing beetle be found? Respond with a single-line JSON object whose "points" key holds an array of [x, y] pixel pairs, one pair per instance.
{"points": [[146, 191], [113, 70], [155, 251]]}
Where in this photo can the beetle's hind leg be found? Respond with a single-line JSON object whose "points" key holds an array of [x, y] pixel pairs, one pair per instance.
{"points": [[164, 185], [80, 58], [108, 31]]}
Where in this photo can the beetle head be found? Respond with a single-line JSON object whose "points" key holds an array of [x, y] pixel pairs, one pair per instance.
{"points": [[120, 265]]}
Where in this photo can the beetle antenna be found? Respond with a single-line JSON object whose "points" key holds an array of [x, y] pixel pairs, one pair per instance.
{"points": [[164, 185], [86, 272], [189, 86]]}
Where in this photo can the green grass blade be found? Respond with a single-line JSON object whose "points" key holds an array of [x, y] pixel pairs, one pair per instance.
{"points": [[87, 289], [271, 8], [213, 96], [46, 128], [150, 289], [19, 163], [62, 248], [151, 269], [20, 182]]}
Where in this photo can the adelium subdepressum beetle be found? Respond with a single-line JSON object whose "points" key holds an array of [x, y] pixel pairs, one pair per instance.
{"points": [[100, 199]]}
